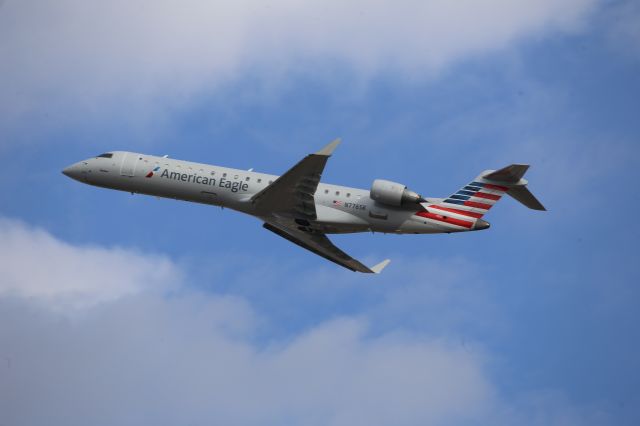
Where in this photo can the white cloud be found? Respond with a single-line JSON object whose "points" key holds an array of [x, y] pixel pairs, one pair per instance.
{"points": [[36, 265], [144, 362], [65, 56], [137, 355]]}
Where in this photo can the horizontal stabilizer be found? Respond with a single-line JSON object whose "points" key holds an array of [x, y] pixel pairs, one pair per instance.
{"points": [[509, 174], [522, 194], [511, 178]]}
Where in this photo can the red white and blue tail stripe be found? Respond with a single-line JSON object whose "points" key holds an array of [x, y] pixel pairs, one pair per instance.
{"points": [[462, 210], [474, 199]]}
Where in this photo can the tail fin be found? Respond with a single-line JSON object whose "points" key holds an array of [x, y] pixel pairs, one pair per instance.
{"points": [[476, 198]]}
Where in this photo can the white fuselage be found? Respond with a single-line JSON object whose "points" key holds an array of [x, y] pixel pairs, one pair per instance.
{"points": [[339, 209]]}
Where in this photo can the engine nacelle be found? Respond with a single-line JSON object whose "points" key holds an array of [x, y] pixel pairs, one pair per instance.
{"points": [[393, 194]]}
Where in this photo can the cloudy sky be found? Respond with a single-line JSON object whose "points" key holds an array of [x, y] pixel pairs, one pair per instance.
{"points": [[128, 310]]}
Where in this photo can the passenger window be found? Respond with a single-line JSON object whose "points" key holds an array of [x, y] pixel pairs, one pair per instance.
{"points": [[224, 175], [337, 192], [248, 178], [326, 191], [235, 177], [348, 195], [259, 180], [213, 173], [270, 182]]}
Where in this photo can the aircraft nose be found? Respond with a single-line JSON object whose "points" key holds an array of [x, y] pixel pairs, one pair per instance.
{"points": [[74, 171]]}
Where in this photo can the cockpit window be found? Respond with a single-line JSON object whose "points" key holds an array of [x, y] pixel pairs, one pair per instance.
{"points": [[105, 155]]}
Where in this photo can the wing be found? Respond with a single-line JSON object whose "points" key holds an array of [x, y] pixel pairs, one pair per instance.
{"points": [[292, 193], [319, 244]]}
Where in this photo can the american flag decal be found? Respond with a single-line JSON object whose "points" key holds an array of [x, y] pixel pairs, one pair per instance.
{"points": [[337, 203]]}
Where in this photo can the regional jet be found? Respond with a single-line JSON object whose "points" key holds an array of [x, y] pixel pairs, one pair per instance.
{"points": [[298, 207]]}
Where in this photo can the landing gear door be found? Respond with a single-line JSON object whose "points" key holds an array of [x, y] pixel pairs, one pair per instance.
{"points": [[128, 166]]}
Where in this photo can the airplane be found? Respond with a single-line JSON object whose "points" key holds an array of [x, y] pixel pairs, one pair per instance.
{"points": [[298, 207]]}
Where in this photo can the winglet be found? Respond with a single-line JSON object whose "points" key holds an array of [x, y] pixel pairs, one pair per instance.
{"points": [[380, 266], [328, 150]]}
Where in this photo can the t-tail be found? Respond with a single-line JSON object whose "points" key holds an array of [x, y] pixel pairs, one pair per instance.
{"points": [[474, 200]]}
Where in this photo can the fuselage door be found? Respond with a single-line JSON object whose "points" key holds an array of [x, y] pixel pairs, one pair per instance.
{"points": [[129, 163]]}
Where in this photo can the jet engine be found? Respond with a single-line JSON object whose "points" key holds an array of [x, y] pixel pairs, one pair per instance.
{"points": [[393, 194]]}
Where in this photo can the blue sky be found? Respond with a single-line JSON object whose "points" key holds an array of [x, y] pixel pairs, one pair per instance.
{"points": [[120, 309]]}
